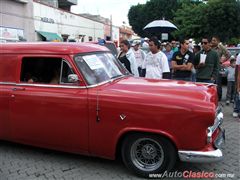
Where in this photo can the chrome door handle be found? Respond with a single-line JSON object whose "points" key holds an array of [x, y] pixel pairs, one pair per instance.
{"points": [[18, 89]]}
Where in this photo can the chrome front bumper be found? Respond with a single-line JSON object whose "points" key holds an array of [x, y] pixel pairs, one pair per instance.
{"points": [[205, 156], [201, 157], [208, 156]]}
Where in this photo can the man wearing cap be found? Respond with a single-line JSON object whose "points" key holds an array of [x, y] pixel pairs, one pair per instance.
{"points": [[139, 55], [145, 45]]}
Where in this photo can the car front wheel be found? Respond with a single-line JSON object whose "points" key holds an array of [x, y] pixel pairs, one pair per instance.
{"points": [[148, 154]]}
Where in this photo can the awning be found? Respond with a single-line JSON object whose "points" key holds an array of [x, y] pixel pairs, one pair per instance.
{"points": [[50, 36]]}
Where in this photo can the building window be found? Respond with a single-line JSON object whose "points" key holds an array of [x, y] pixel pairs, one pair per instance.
{"points": [[81, 38], [90, 38], [65, 37]]}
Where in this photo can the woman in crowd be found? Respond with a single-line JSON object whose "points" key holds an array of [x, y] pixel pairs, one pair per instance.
{"points": [[126, 56]]}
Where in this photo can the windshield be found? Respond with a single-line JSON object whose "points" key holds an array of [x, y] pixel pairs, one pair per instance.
{"points": [[99, 67]]}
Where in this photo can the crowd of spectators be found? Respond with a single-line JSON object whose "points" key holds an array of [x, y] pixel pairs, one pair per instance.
{"points": [[186, 61]]}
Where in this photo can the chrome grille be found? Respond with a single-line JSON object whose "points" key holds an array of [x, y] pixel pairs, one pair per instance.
{"points": [[217, 122]]}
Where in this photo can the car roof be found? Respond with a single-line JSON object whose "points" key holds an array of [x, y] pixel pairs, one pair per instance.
{"points": [[96, 42], [233, 50], [50, 48]]}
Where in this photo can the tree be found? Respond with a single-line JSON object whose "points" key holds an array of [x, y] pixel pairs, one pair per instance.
{"points": [[223, 18], [142, 14], [193, 18], [136, 20], [188, 20], [217, 17]]}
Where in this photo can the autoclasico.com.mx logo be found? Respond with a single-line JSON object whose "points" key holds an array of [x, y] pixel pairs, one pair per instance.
{"points": [[192, 174]]}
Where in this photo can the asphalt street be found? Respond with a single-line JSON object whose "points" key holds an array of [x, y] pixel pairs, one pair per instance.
{"points": [[29, 163]]}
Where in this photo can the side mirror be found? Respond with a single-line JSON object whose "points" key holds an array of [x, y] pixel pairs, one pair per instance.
{"points": [[72, 78]]}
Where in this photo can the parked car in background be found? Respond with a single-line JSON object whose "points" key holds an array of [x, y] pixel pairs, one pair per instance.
{"points": [[77, 97], [234, 50], [109, 44]]}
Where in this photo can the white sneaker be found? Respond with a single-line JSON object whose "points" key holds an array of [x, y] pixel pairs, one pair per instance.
{"points": [[235, 115], [227, 102]]}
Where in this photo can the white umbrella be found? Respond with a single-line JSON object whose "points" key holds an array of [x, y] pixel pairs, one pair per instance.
{"points": [[161, 26]]}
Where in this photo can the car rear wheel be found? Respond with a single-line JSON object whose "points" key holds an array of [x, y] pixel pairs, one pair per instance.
{"points": [[148, 154]]}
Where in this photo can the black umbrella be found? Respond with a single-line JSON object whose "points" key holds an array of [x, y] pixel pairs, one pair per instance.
{"points": [[160, 26]]}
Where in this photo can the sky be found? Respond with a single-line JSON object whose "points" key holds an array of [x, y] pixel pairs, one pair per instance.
{"points": [[117, 8]]}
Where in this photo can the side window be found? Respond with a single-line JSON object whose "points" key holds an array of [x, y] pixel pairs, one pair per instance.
{"points": [[45, 70], [65, 72]]}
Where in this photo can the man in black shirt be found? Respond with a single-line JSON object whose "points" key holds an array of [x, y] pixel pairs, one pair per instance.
{"points": [[182, 62]]}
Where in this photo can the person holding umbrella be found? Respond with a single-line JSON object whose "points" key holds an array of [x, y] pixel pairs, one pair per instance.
{"points": [[155, 64]]}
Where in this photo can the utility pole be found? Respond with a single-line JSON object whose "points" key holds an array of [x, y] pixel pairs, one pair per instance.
{"points": [[111, 28]]}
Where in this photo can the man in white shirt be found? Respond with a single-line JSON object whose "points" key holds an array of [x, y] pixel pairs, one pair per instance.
{"points": [[139, 55], [155, 64]]}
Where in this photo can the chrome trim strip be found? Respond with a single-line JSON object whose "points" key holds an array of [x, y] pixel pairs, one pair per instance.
{"points": [[201, 157], [105, 82], [207, 84], [8, 83], [51, 86], [44, 85], [99, 84]]}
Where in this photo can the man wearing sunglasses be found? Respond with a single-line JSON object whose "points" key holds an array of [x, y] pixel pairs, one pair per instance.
{"points": [[206, 63]]}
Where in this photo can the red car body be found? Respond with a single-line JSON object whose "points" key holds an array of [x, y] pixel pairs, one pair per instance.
{"points": [[96, 119]]}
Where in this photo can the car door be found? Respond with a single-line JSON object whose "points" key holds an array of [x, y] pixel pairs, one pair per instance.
{"points": [[49, 115], [8, 66]]}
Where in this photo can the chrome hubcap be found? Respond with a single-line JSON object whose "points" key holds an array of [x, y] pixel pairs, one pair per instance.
{"points": [[149, 151], [147, 154]]}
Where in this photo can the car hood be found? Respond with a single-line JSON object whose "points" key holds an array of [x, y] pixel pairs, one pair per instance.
{"points": [[165, 89]]}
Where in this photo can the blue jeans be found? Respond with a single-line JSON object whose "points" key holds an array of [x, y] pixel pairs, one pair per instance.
{"points": [[193, 77], [237, 103], [230, 91]]}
